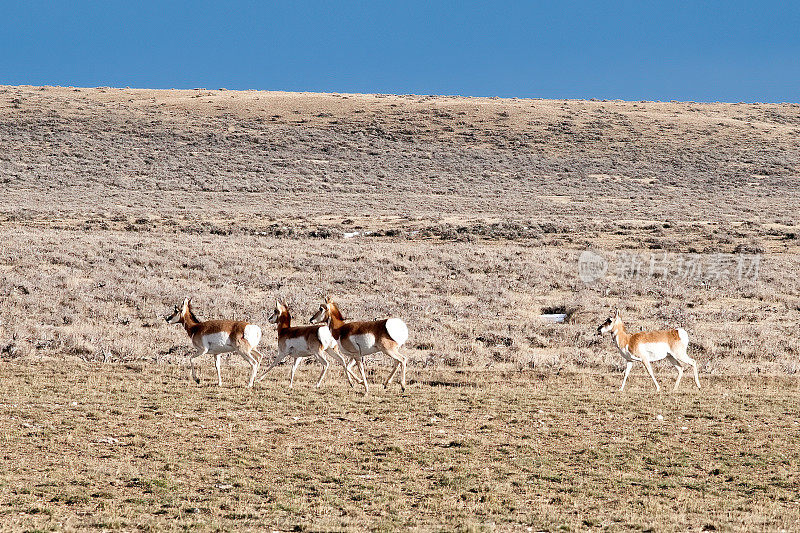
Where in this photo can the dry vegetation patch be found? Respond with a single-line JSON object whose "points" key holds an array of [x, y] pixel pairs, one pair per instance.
{"points": [[102, 296], [464, 216], [138, 447]]}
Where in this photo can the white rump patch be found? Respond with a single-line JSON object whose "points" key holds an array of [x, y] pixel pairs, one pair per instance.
{"points": [[397, 330], [683, 336], [252, 334]]}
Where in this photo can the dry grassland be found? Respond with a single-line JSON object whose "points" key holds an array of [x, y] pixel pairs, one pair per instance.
{"points": [[463, 216], [137, 447]]}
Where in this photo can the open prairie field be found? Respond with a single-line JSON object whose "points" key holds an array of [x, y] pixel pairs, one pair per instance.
{"points": [[467, 217], [136, 446]]}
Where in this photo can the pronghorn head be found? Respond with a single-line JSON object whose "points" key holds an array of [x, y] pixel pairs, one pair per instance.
{"points": [[281, 310], [326, 309], [322, 313], [179, 313], [610, 323]]}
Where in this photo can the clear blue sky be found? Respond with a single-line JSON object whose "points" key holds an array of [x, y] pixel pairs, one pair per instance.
{"points": [[676, 50]]}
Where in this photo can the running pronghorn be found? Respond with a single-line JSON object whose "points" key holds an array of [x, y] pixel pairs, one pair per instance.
{"points": [[302, 342], [357, 339], [649, 346], [218, 337]]}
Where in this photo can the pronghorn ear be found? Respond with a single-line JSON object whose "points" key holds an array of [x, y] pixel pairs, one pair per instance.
{"points": [[278, 305], [616, 312], [328, 299], [186, 302]]}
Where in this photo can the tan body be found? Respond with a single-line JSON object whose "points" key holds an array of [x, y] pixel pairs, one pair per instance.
{"points": [[650, 346], [357, 339], [217, 337], [301, 342]]}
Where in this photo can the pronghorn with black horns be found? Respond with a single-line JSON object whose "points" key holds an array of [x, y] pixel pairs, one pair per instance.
{"points": [[302, 342], [218, 337], [357, 339], [649, 346]]}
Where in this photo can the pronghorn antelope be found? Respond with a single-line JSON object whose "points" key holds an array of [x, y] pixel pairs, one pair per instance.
{"points": [[302, 342], [649, 346], [357, 339], [218, 337]]}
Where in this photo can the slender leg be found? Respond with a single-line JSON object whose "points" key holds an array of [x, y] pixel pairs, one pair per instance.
{"points": [[391, 375], [334, 351], [260, 355], [297, 362], [696, 377], [350, 364], [678, 381], [363, 376], [628, 367], [405, 364], [402, 361], [200, 351], [649, 367], [684, 358], [218, 364], [679, 368], [278, 358], [324, 361], [254, 364]]}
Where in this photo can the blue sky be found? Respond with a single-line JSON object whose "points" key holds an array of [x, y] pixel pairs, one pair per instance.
{"points": [[680, 50]]}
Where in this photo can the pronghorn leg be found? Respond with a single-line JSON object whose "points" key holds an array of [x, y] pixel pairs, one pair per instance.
{"points": [[200, 351], [696, 377], [401, 363], [346, 364], [363, 376], [392, 374], [260, 355], [324, 361], [275, 362], [649, 368], [350, 365], [297, 362], [405, 365], [218, 364], [679, 368], [628, 367], [351, 379], [337, 355], [684, 358], [254, 363]]}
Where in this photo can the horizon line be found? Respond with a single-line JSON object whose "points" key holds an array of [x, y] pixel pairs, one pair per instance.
{"points": [[427, 95]]}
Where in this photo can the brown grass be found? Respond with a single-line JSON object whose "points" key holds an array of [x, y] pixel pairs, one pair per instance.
{"points": [[137, 447], [102, 295], [463, 216]]}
